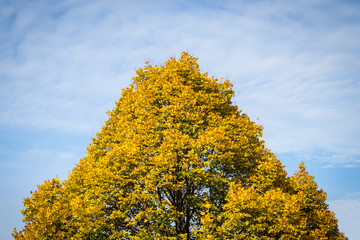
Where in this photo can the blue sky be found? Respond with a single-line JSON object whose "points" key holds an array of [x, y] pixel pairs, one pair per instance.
{"points": [[295, 65]]}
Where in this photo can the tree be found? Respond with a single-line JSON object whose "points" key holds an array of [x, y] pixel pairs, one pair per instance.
{"points": [[176, 160]]}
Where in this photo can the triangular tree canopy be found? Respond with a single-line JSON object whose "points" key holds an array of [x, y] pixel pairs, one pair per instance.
{"points": [[177, 160]]}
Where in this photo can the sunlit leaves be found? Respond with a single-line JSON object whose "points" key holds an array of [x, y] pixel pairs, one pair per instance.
{"points": [[176, 160]]}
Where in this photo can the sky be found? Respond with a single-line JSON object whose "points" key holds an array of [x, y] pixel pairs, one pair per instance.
{"points": [[295, 65]]}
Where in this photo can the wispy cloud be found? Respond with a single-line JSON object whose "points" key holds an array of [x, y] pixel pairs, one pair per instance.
{"points": [[293, 65]]}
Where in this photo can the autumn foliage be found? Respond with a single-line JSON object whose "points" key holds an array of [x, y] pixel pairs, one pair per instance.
{"points": [[177, 160]]}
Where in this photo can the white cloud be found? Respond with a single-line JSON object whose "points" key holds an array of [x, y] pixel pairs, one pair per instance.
{"points": [[293, 65]]}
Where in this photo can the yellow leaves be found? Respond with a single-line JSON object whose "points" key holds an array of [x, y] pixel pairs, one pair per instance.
{"points": [[272, 214], [176, 160], [46, 212]]}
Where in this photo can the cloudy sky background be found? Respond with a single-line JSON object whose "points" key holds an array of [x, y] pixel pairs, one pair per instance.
{"points": [[294, 64]]}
